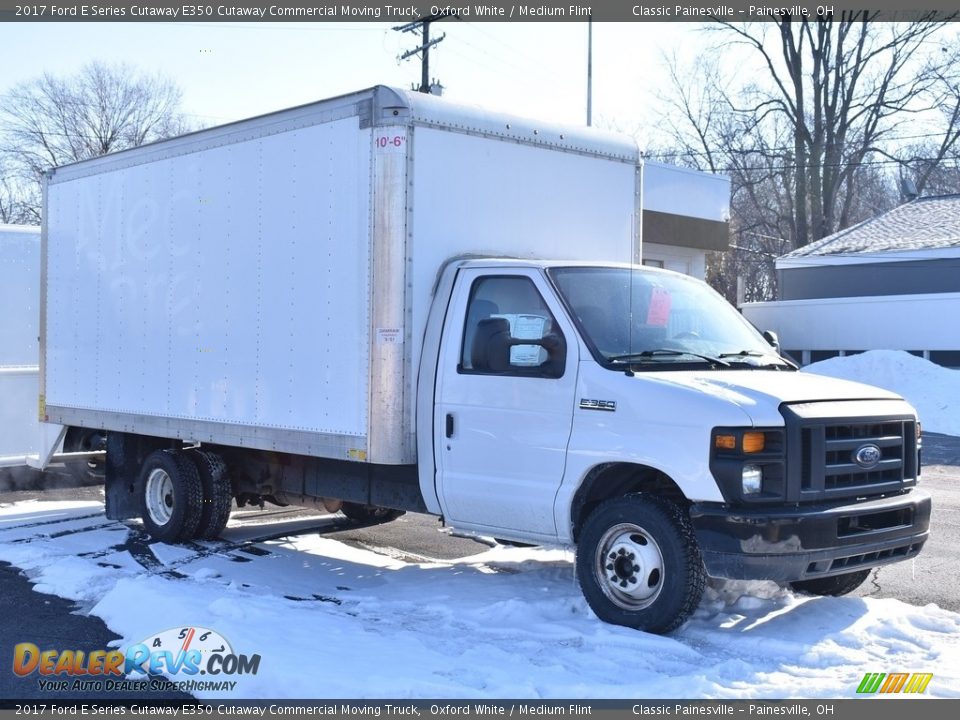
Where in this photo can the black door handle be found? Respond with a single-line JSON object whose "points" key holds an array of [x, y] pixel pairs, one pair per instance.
{"points": [[449, 425]]}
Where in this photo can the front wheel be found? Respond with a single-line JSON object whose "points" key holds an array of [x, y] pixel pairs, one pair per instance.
{"points": [[639, 565], [832, 586]]}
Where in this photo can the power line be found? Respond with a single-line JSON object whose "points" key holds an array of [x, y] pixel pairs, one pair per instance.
{"points": [[784, 149], [811, 166], [537, 64], [79, 102], [862, 163]]}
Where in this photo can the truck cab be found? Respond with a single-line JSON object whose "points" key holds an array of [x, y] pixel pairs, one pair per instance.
{"points": [[633, 413]]}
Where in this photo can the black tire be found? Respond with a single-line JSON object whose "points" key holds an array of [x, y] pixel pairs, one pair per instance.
{"points": [[369, 513], [80, 439], [639, 565], [832, 586], [217, 493], [171, 496]]}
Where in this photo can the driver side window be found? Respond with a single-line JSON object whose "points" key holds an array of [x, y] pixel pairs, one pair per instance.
{"points": [[503, 311]]}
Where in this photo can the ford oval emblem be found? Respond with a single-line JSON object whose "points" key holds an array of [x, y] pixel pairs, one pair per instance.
{"points": [[867, 456]]}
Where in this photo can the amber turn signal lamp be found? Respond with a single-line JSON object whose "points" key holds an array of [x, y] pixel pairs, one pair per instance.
{"points": [[753, 442], [726, 442]]}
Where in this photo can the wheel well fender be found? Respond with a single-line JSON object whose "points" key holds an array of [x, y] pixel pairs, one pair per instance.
{"points": [[616, 479]]}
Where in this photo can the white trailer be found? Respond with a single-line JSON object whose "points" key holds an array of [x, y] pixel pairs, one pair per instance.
{"points": [[19, 348], [386, 302], [25, 441]]}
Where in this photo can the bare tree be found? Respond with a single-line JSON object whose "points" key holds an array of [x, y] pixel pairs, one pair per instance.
{"points": [[842, 88], [708, 134], [812, 125], [103, 108], [928, 177], [12, 207]]}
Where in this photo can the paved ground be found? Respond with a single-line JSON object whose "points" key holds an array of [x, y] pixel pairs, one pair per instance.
{"points": [[52, 622], [940, 450], [49, 622], [930, 578]]}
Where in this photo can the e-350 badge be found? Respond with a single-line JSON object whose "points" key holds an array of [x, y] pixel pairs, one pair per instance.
{"points": [[608, 405]]}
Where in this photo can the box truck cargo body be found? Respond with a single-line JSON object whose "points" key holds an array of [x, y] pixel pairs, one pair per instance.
{"points": [[387, 302], [267, 284]]}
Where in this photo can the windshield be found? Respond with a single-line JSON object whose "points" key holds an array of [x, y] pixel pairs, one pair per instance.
{"points": [[638, 316]]}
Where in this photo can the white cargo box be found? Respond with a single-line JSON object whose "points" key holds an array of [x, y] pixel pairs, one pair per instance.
{"points": [[266, 283], [19, 352]]}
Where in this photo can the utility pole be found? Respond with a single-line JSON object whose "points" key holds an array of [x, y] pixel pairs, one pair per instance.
{"points": [[590, 70], [423, 26]]}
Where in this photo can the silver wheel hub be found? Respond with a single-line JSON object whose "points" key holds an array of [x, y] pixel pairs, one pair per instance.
{"points": [[159, 494], [629, 566]]}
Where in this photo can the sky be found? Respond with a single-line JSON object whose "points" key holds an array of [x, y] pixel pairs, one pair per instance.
{"points": [[230, 71]]}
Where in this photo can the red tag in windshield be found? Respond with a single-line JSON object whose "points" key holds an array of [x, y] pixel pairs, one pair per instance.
{"points": [[659, 312]]}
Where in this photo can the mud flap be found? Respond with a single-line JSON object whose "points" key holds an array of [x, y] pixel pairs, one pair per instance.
{"points": [[125, 455], [119, 489]]}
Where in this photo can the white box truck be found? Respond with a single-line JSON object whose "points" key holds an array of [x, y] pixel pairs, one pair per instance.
{"points": [[386, 302]]}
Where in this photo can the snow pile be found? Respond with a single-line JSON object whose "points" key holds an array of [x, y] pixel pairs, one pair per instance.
{"points": [[333, 621], [933, 390]]}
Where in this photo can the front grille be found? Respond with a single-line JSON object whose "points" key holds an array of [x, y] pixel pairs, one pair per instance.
{"points": [[841, 457], [843, 441]]}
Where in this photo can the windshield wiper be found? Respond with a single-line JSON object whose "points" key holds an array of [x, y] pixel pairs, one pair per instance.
{"points": [[666, 352], [743, 353], [756, 353]]}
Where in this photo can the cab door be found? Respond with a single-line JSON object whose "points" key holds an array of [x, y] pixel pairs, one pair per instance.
{"points": [[503, 408]]}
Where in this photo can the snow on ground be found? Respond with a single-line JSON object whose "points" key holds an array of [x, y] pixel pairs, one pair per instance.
{"points": [[933, 390], [330, 620]]}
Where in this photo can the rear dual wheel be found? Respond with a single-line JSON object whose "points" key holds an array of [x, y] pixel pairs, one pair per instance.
{"points": [[369, 513], [217, 493], [184, 494], [85, 472]]}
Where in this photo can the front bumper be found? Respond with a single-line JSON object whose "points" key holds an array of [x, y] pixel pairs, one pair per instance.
{"points": [[800, 542]]}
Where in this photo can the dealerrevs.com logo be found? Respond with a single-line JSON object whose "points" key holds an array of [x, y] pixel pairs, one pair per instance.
{"points": [[179, 653]]}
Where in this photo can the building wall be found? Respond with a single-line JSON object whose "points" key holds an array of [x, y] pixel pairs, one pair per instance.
{"points": [[904, 277], [685, 214], [686, 260], [813, 329]]}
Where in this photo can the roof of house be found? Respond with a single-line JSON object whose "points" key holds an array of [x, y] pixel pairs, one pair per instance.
{"points": [[921, 224]]}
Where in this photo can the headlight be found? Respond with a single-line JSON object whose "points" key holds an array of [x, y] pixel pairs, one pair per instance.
{"points": [[750, 463], [751, 479]]}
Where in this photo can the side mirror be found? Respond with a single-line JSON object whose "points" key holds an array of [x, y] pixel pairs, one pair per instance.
{"points": [[551, 342], [771, 337], [556, 349]]}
